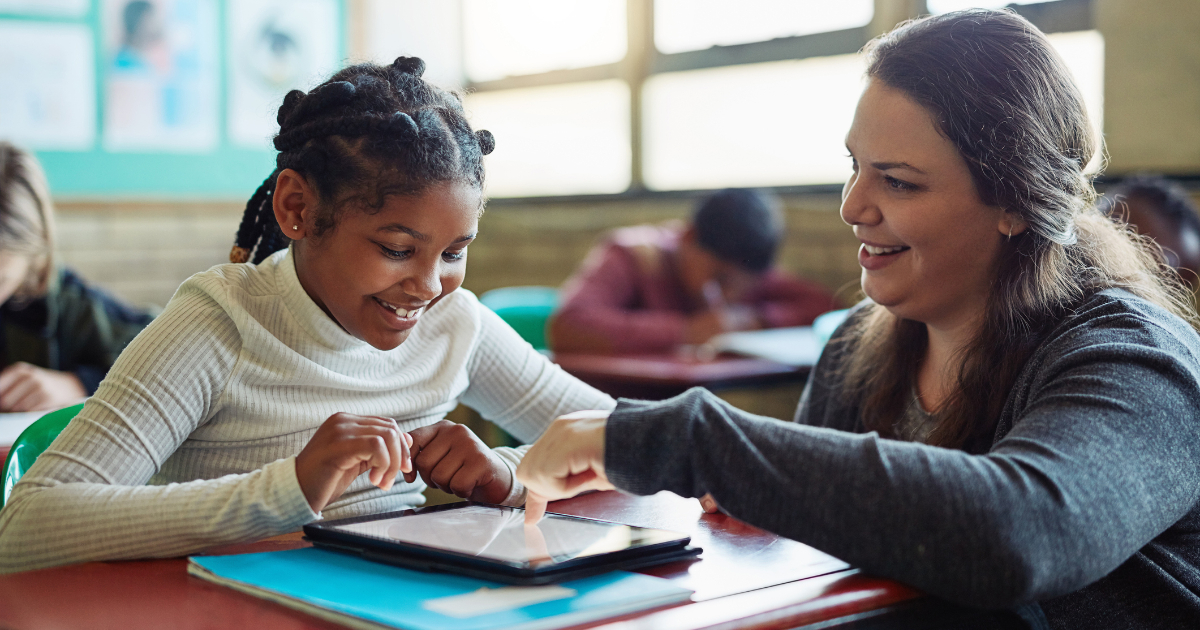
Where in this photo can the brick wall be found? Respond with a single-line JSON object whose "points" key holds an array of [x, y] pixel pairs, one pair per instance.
{"points": [[142, 251]]}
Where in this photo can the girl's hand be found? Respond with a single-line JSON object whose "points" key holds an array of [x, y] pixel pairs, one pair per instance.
{"points": [[25, 387], [566, 460], [451, 458], [346, 446]]}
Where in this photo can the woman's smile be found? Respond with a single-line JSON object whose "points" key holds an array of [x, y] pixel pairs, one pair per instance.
{"points": [[873, 257]]}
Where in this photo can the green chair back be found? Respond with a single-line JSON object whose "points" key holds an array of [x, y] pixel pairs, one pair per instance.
{"points": [[35, 439], [526, 309]]}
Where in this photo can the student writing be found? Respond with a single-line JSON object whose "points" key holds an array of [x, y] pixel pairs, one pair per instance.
{"points": [[265, 391], [1011, 420], [650, 288]]}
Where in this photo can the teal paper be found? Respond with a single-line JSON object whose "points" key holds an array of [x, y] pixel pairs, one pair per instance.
{"points": [[392, 596]]}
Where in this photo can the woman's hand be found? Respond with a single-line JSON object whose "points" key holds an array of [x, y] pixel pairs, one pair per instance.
{"points": [[451, 458], [566, 460], [25, 387], [346, 446]]}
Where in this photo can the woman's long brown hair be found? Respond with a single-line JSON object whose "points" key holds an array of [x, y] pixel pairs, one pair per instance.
{"points": [[999, 92]]}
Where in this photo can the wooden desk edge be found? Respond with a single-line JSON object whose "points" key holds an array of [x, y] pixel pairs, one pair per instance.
{"points": [[811, 600]]}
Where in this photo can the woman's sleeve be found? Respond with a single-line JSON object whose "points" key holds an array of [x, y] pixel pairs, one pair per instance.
{"points": [[85, 497], [521, 390], [1102, 461]]}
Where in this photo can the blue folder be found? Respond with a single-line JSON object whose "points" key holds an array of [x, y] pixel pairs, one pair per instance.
{"points": [[364, 594]]}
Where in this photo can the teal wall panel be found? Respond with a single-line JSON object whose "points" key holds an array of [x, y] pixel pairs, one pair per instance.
{"points": [[226, 172]]}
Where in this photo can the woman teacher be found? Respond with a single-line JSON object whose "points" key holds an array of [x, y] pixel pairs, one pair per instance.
{"points": [[1010, 420]]}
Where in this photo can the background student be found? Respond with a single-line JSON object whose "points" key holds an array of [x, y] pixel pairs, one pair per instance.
{"points": [[1013, 420], [1164, 211], [650, 288], [259, 398], [58, 336]]}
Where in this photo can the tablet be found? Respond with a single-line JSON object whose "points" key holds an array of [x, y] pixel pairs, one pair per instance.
{"points": [[492, 542]]}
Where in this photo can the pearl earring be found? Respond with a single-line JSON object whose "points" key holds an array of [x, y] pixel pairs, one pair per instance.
{"points": [[295, 228]]}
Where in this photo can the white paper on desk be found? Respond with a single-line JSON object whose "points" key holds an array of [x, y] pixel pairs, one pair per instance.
{"points": [[796, 345], [491, 600], [12, 424]]}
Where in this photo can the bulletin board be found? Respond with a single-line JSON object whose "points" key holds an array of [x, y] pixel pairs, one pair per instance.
{"points": [[158, 99]]}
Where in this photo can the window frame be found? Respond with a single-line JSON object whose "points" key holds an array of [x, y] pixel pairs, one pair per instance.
{"points": [[643, 60]]}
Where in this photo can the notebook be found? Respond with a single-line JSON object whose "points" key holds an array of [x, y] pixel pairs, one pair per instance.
{"points": [[797, 346], [363, 594]]}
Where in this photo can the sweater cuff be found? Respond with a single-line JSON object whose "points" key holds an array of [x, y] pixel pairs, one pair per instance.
{"points": [[293, 508], [647, 444], [512, 458]]}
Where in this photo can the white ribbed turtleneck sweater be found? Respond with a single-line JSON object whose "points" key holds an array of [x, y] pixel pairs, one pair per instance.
{"points": [[191, 439]]}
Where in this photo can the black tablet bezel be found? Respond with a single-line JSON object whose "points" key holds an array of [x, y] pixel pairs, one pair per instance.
{"points": [[410, 555]]}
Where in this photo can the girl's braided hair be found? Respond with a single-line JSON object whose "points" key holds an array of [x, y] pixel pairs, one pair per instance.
{"points": [[368, 132]]}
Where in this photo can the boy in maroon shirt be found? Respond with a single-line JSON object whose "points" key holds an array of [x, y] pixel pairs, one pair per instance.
{"points": [[651, 288]]}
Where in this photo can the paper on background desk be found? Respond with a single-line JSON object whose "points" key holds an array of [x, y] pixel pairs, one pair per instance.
{"points": [[12, 424], [796, 345]]}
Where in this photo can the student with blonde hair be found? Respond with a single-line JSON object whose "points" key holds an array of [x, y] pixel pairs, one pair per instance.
{"points": [[59, 335]]}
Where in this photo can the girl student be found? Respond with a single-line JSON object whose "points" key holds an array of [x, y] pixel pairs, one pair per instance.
{"points": [[58, 336], [257, 400], [1011, 420]]}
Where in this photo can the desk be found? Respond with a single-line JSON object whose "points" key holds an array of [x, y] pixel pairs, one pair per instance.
{"points": [[746, 577], [659, 376]]}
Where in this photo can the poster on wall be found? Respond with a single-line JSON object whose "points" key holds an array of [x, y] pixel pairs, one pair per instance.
{"points": [[58, 8], [160, 74], [275, 46], [49, 96]]}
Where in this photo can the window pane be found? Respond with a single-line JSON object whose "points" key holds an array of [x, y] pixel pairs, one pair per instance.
{"points": [[429, 29], [945, 6], [681, 25], [1083, 52], [771, 124], [561, 140], [518, 37]]}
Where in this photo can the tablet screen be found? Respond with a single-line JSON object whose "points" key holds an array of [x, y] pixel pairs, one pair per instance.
{"points": [[499, 533]]}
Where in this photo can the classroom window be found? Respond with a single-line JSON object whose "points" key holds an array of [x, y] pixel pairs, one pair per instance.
{"points": [[772, 124], [1083, 52], [709, 93], [567, 139], [945, 6], [683, 25], [519, 37]]}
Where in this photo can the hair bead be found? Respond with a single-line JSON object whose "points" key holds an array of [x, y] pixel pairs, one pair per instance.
{"points": [[239, 255], [487, 142], [322, 98], [402, 122], [409, 65], [290, 102]]}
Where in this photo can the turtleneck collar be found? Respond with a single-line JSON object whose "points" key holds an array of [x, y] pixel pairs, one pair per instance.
{"points": [[309, 316]]}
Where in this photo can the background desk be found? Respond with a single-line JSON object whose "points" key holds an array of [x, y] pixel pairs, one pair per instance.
{"points": [[746, 576], [659, 376]]}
